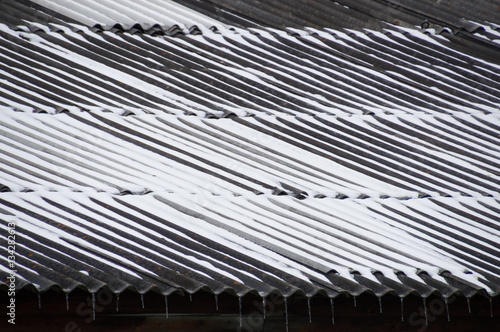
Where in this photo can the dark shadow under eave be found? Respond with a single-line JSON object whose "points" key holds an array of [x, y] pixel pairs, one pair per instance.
{"points": [[204, 311]]}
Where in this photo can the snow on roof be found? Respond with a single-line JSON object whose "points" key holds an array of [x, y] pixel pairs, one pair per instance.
{"points": [[266, 242], [221, 74], [304, 161], [128, 13]]}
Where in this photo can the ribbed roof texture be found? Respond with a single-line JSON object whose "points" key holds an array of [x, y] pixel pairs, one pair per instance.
{"points": [[169, 242], [251, 147], [258, 71]]}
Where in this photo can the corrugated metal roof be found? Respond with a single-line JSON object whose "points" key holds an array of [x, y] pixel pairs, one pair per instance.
{"points": [[127, 13], [381, 156], [318, 161], [319, 212], [245, 72], [374, 14], [169, 242]]}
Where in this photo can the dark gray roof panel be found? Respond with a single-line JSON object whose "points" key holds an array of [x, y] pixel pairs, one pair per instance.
{"points": [[244, 73], [373, 14], [27, 13], [384, 156], [99, 233], [292, 147]]}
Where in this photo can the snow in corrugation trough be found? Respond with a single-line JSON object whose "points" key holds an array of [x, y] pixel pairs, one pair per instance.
{"points": [[128, 13]]}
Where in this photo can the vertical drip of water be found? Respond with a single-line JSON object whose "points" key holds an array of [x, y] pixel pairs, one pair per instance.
{"points": [[333, 312], [241, 309], [425, 312], [117, 301], [39, 301], [354, 299], [402, 307], [309, 308], [166, 306], [380, 303], [286, 313], [142, 300], [93, 306], [491, 307], [190, 297], [67, 301], [264, 307], [447, 309], [468, 304]]}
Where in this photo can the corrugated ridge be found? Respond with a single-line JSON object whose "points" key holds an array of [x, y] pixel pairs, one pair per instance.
{"points": [[356, 157], [240, 74], [178, 250]]}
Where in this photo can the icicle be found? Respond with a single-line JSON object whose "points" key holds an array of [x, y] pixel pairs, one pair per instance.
{"points": [[142, 300], [241, 307], [216, 302], [93, 306], [190, 297], [491, 307], [333, 313], [67, 301], [39, 301], [468, 304], [286, 313], [166, 306], [425, 312], [402, 307], [354, 299], [309, 309], [447, 309], [117, 301], [264, 307], [380, 303]]}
